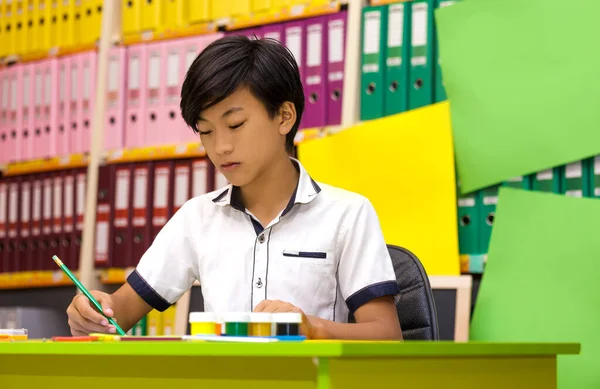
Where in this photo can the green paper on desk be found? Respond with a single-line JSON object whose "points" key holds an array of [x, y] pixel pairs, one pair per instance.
{"points": [[541, 282], [521, 78]]}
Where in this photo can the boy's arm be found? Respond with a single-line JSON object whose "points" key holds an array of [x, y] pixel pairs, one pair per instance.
{"points": [[376, 319], [129, 307]]}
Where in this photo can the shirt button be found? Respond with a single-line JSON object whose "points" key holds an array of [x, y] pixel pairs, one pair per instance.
{"points": [[259, 283], [261, 238]]}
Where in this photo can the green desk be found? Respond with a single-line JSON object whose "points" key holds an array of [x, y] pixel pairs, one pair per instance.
{"points": [[312, 364]]}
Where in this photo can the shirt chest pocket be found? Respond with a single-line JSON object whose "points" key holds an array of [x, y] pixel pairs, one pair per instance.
{"points": [[304, 276]]}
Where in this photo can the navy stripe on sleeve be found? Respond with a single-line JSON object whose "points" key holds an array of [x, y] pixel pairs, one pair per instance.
{"points": [[371, 292], [146, 292]]}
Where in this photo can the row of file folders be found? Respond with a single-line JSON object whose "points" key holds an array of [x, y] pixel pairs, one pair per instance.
{"points": [[46, 107], [400, 67], [41, 215], [476, 210], [32, 26]]}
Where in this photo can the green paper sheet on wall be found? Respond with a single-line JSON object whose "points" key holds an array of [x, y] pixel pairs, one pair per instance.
{"points": [[542, 279], [522, 81]]}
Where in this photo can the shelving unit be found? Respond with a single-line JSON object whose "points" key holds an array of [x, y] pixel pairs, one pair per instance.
{"points": [[45, 165], [110, 36], [34, 279]]}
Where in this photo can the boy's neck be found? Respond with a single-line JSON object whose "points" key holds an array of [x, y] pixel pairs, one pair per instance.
{"points": [[271, 192]]}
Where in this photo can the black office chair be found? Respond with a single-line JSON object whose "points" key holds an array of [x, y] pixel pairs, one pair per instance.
{"points": [[414, 304]]}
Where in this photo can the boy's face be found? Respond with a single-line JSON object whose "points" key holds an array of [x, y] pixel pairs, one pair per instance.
{"points": [[241, 139]]}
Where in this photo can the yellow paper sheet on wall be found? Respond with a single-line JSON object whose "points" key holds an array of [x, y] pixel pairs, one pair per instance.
{"points": [[404, 164]]}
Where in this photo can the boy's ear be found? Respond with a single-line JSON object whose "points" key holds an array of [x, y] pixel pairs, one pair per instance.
{"points": [[287, 113]]}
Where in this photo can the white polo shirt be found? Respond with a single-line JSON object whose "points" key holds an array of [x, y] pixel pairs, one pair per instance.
{"points": [[325, 253]]}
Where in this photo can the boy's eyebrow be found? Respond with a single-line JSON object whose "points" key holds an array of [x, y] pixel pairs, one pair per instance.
{"points": [[227, 113]]}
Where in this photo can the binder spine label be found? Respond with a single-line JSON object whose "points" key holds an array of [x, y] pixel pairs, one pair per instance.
{"points": [[181, 186], [336, 41], [113, 82], [153, 77], [315, 40], [574, 170], [173, 83], [57, 212], [161, 184], [36, 215], [371, 39], [133, 81], [68, 211], [490, 200], [102, 233], [419, 34], [3, 199], [293, 40], [466, 202], [140, 189], [80, 201], [12, 210], [121, 198], [545, 175], [25, 204], [47, 217]]}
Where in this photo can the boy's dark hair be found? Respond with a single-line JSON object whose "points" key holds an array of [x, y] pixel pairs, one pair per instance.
{"points": [[266, 67]]}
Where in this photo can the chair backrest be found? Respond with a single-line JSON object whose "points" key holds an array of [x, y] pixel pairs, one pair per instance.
{"points": [[414, 303]]}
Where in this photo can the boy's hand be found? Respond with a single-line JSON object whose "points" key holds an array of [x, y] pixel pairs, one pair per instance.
{"points": [[308, 328], [85, 319]]}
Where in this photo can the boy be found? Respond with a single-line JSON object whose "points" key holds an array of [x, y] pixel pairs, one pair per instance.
{"points": [[272, 241]]}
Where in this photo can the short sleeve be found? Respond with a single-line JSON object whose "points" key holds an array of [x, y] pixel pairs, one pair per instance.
{"points": [[365, 268], [168, 268]]}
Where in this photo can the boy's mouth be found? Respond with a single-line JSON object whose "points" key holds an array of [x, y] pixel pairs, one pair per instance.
{"points": [[229, 165]]}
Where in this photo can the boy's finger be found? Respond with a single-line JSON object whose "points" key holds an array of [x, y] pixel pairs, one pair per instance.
{"points": [[87, 311], [105, 301], [262, 306], [90, 326]]}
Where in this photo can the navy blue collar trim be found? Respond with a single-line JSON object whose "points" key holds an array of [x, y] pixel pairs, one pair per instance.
{"points": [[292, 201], [220, 196], [237, 203], [315, 185]]}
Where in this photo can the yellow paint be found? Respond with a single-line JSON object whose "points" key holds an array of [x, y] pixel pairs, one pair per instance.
{"points": [[404, 164], [206, 328], [260, 329]]}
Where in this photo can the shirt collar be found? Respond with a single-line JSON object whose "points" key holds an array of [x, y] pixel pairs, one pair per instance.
{"points": [[306, 190]]}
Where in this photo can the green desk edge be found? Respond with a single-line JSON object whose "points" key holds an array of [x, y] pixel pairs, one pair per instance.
{"points": [[302, 349]]}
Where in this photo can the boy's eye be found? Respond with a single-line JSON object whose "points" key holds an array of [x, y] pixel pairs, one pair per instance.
{"points": [[204, 132], [237, 125]]}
